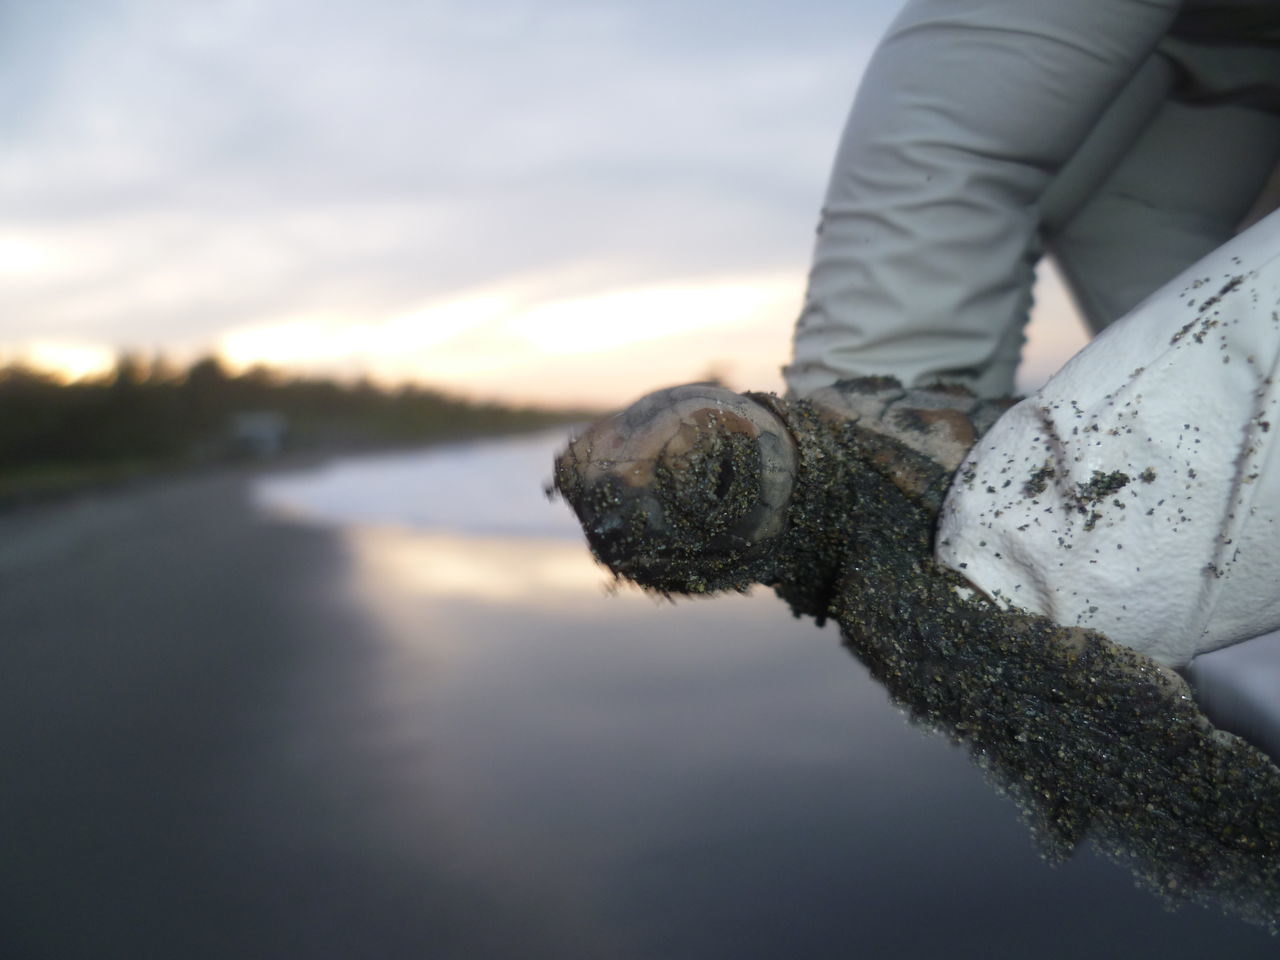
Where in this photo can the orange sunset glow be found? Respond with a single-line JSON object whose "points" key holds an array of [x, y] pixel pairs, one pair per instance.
{"points": [[600, 349]]}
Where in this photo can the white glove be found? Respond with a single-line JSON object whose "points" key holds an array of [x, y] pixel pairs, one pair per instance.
{"points": [[986, 129], [1138, 492]]}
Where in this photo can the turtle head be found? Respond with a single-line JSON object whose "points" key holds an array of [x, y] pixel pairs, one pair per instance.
{"points": [[685, 491]]}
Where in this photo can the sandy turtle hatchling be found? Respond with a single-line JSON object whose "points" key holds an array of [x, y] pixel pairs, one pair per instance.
{"points": [[832, 501]]}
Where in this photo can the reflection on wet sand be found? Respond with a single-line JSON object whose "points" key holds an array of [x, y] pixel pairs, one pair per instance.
{"points": [[489, 569]]}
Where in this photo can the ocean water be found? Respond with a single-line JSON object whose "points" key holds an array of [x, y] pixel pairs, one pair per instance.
{"points": [[609, 775]]}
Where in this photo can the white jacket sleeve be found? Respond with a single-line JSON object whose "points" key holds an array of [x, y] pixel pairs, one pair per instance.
{"points": [[1138, 492], [968, 110]]}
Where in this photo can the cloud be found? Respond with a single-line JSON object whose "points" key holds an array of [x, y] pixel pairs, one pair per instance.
{"points": [[175, 171]]}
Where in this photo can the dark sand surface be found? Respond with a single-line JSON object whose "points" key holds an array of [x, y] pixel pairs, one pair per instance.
{"points": [[183, 727]]}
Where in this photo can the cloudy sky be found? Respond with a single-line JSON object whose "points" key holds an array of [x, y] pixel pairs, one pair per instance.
{"points": [[563, 200]]}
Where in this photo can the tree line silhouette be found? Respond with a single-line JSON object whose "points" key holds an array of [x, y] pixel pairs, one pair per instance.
{"points": [[146, 414]]}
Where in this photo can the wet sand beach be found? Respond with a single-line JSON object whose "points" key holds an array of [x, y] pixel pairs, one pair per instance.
{"points": [[226, 734], [185, 729]]}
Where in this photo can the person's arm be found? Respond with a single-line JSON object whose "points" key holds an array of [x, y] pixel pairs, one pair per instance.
{"points": [[968, 111]]}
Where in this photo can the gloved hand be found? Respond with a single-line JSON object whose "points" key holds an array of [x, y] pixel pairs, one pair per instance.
{"points": [[986, 131], [1138, 492]]}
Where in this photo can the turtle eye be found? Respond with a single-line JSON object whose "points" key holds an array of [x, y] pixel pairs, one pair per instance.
{"points": [[725, 482]]}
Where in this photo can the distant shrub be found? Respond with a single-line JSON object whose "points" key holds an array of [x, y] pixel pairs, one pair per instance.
{"points": [[154, 412]]}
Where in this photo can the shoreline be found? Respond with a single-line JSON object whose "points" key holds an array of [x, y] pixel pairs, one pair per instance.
{"points": [[59, 484]]}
